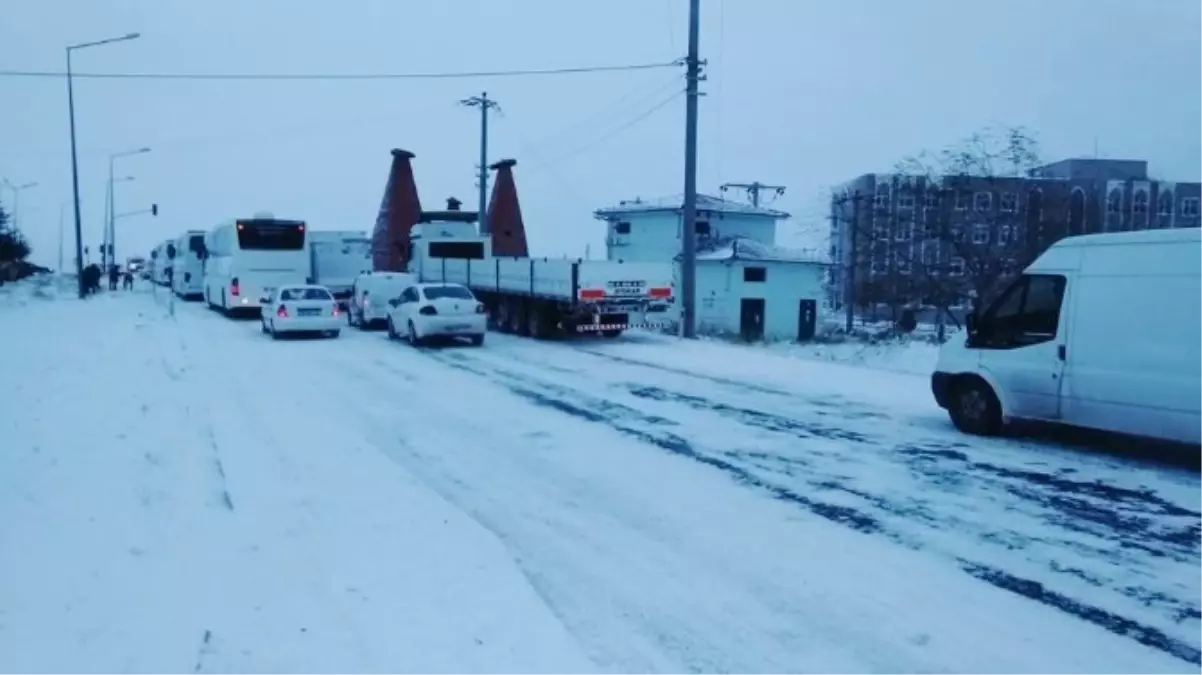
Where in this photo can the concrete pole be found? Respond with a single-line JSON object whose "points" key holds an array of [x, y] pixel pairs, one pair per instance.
{"points": [[688, 228]]}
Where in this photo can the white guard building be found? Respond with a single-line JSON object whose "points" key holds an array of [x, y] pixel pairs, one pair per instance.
{"points": [[746, 284]]}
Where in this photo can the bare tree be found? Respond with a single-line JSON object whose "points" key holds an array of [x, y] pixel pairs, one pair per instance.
{"points": [[946, 227]]}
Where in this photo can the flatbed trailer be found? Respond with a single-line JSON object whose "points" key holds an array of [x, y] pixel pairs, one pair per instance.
{"points": [[546, 297]]}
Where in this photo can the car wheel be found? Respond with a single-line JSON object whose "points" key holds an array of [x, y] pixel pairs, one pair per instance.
{"points": [[477, 340], [413, 338], [334, 333], [275, 335], [262, 326], [392, 334], [975, 409]]}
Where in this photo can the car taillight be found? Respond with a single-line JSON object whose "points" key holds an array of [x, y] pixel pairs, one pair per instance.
{"points": [[428, 310], [335, 312], [363, 302], [281, 312], [235, 290], [480, 308]]}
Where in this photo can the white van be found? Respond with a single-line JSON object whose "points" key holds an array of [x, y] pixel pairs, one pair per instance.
{"points": [[1102, 331], [368, 305]]}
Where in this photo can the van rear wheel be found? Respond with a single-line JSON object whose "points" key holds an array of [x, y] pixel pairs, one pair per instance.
{"points": [[975, 409]]}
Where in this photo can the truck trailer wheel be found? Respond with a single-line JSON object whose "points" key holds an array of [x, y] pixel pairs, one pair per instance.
{"points": [[974, 408], [611, 333]]}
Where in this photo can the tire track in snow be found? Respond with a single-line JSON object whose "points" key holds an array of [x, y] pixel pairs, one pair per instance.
{"points": [[594, 409]]}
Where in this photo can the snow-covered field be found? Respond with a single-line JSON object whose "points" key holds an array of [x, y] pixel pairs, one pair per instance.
{"points": [[184, 494]]}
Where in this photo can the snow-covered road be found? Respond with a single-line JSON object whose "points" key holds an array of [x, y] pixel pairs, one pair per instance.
{"points": [[182, 493]]}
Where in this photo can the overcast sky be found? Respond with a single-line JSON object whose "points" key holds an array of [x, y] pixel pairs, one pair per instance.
{"points": [[802, 93]]}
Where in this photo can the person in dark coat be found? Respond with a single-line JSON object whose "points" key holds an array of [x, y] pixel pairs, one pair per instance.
{"points": [[114, 273], [127, 281], [91, 279]]}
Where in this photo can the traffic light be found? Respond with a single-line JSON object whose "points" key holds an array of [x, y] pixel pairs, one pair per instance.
{"points": [[154, 209]]}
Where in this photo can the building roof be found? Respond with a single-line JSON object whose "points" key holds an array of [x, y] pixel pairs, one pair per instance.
{"points": [[675, 204], [742, 248]]}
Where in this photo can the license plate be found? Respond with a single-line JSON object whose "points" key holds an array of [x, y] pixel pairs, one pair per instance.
{"points": [[458, 326], [309, 312]]}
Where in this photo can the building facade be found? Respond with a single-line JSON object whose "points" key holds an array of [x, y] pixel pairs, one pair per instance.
{"points": [[745, 285], [945, 241]]}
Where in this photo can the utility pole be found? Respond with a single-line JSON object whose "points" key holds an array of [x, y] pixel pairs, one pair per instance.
{"points": [[688, 228], [484, 103], [61, 207], [849, 292], [753, 190]]}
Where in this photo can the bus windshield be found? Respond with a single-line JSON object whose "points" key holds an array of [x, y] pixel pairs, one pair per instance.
{"points": [[271, 235]]}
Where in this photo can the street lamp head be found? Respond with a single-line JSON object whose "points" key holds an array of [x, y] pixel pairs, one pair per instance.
{"points": [[140, 150], [27, 185], [132, 36]]}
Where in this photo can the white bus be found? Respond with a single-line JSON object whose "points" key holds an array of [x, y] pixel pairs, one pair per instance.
{"points": [[187, 277], [158, 273], [248, 257]]}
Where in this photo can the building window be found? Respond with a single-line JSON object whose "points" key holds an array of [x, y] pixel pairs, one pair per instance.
{"points": [[904, 232], [929, 254], [929, 229], [956, 268], [882, 197], [1189, 207], [962, 201], [982, 201], [958, 234], [755, 274], [1139, 205], [881, 231], [930, 199], [622, 228], [703, 228], [1007, 266], [1009, 202], [1165, 206], [905, 200], [1003, 234], [879, 267], [902, 262], [980, 233], [1114, 202]]}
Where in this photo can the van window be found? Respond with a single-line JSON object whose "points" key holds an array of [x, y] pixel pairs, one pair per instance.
{"points": [[1027, 313]]}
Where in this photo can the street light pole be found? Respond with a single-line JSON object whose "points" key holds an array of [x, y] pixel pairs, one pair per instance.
{"points": [[110, 225], [16, 190], [75, 156]]}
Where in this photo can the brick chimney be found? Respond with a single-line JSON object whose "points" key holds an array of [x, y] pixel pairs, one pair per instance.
{"points": [[400, 210], [505, 214]]}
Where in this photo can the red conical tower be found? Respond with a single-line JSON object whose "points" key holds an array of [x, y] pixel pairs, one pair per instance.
{"points": [[400, 210], [505, 214]]}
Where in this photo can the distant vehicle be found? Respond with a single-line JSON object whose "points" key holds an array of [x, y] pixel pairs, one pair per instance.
{"points": [[299, 308], [1100, 332], [187, 279], [336, 259], [367, 306], [158, 271], [135, 265], [425, 311], [248, 257], [541, 297]]}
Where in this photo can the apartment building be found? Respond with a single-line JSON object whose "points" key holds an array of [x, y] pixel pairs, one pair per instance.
{"points": [[900, 239]]}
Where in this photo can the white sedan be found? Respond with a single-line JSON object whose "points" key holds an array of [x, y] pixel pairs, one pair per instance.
{"points": [[300, 308], [425, 311]]}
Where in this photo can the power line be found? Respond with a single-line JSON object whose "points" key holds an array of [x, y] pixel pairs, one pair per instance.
{"points": [[532, 72], [614, 132]]}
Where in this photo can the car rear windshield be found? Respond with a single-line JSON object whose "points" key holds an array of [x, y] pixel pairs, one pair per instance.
{"points": [[305, 294], [453, 292]]}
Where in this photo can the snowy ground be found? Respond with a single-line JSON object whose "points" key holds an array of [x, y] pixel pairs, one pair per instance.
{"points": [[181, 494]]}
